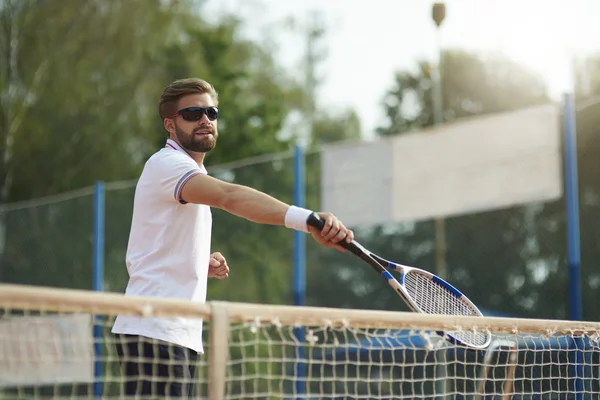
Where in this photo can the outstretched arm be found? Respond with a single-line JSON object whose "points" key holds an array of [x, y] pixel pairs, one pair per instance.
{"points": [[259, 207], [239, 200]]}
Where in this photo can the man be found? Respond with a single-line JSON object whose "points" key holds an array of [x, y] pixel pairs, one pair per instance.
{"points": [[168, 254]]}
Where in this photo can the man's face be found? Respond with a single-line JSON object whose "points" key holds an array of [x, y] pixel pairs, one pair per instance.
{"points": [[198, 136]]}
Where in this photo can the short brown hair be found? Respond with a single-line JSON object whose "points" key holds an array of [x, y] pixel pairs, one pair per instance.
{"points": [[182, 87]]}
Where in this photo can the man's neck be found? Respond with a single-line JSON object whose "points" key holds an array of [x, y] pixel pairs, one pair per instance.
{"points": [[198, 157]]}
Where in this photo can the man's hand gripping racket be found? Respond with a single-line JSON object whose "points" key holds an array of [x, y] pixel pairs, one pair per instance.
{"points": [[422, 291]]}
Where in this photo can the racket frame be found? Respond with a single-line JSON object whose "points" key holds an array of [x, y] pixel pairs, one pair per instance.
{"points": [[381, 265]]}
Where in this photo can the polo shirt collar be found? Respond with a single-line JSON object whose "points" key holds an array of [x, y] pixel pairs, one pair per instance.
{"points": [[171, 144]]}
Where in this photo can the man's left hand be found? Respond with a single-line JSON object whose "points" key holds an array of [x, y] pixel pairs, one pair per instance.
{"points": [[217, 266]]}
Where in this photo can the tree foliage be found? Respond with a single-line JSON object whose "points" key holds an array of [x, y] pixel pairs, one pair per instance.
{"points": [[80, 87], [471, 85]]}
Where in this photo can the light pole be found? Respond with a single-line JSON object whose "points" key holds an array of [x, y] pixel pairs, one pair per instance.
{"points": [[438, 13]]}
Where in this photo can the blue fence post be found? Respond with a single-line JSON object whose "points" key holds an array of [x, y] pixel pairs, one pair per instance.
{"points": [[299, 276], [98, 279], [572, 208], [573, 239]]}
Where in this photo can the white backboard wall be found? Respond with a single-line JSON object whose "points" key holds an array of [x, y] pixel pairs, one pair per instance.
{"points": [[344, 167], [479, 164], [46, 350]]}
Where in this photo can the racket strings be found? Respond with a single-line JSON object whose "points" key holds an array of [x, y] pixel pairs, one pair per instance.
{"points": [[433, 298]]}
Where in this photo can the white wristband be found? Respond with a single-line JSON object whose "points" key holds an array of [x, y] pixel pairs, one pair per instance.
{"points": [[295, 218]]}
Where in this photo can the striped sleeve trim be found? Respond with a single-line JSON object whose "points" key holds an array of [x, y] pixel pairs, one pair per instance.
{"points": [[182, 181]]}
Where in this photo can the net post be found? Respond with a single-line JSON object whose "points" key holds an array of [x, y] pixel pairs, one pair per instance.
{"points": [[218, 351], [510, 374], [98, 280], [496, 347]]}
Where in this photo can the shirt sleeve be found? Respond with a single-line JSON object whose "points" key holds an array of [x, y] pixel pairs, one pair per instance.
{"points": [[173, 171]]}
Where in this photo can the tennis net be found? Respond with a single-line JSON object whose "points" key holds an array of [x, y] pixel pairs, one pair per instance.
{"points": [[56, 343]]}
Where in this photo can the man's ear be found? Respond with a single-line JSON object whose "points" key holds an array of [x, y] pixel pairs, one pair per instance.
{"points": [[169, 125]]}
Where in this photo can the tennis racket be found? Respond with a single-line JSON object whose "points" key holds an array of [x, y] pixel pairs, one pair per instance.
{"points": [[422, 291]]}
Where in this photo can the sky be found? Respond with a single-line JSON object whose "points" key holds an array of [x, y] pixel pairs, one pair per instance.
{"points": [[367, 41]]}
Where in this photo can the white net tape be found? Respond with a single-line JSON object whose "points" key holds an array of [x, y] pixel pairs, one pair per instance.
{"points": [[50, 349]]}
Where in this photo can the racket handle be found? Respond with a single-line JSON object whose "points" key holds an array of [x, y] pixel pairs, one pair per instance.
{"points": [[317, 222]]}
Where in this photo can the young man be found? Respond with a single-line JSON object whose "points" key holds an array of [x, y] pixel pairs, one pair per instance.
{"points": [[168, 254]]}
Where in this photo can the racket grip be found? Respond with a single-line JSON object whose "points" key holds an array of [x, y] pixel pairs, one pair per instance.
{"points": [[317, 222]]}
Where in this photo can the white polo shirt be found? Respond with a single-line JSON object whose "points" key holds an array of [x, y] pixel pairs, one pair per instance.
{"points": [[169, 247]]}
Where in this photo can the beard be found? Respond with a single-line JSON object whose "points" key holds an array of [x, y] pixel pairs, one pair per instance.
{"points": [[198, 143]]}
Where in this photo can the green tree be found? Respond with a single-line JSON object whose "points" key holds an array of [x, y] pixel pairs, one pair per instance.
{"points": [[471, 85], [74, 88], [93, 80], [330, 128], [587, 77]]}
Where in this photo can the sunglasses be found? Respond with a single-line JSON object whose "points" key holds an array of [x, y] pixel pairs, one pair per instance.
{"points": [[195, 113]]}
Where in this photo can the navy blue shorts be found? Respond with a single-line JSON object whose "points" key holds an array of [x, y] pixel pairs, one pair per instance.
{"points": [[156, 368]]}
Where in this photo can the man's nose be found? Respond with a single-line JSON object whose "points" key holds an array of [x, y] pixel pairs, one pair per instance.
{"points": [[204, 120]]}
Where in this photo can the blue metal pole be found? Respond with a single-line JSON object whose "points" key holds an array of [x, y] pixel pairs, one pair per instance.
{"points": [[572, 208], [299, 283], [573, 240], [98, 279]]}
